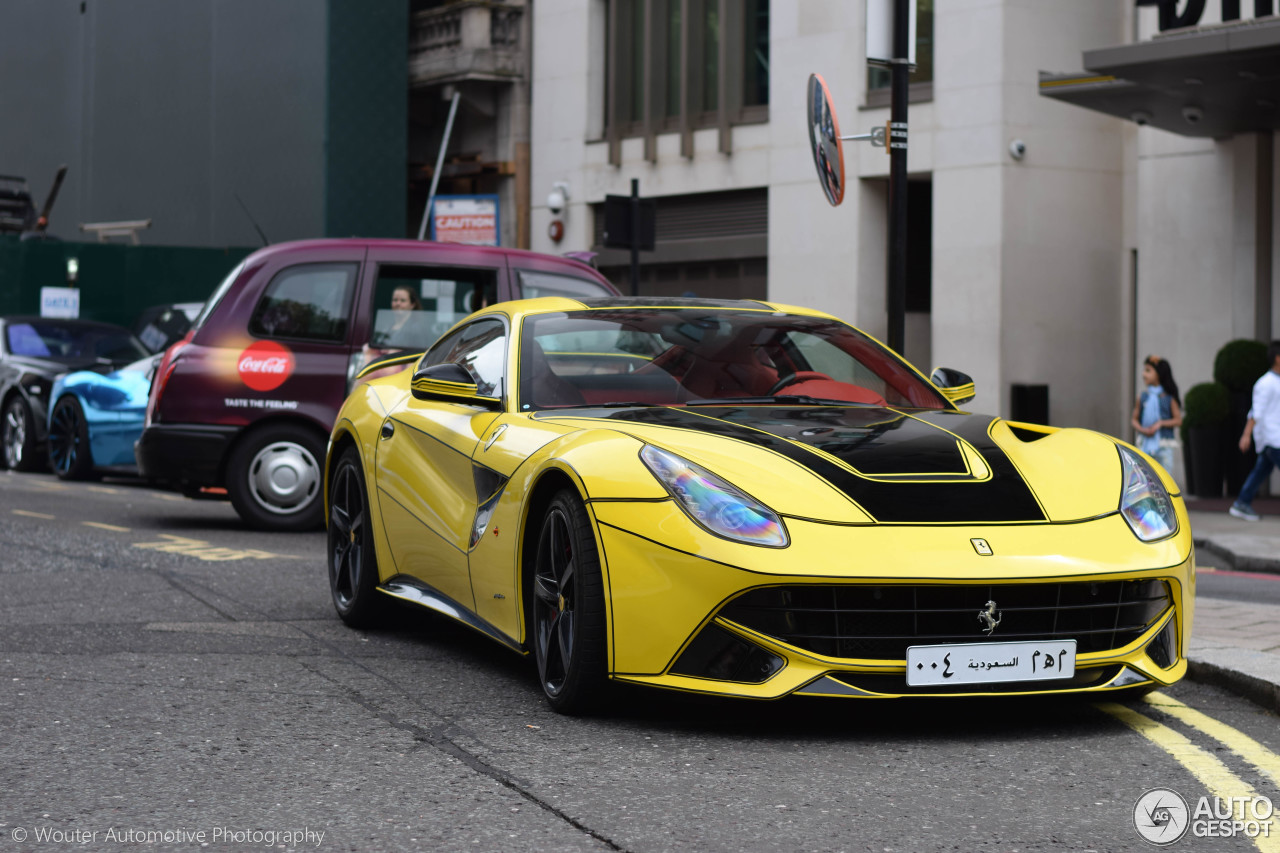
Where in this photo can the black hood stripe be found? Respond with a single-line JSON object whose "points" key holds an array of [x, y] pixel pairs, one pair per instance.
{"points": [[881, 443]]}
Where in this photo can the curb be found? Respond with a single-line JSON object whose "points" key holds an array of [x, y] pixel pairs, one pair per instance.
{"points": [[1257, 690], [1228, 559]]}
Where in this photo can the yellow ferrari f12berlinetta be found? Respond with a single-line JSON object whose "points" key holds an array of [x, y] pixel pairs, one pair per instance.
{"points": [[748, 499]]}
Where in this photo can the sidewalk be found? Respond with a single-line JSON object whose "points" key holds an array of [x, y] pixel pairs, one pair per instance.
{"points": [[1236, 645]]}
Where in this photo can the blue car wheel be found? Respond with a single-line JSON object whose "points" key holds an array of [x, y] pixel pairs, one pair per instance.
{"points": [[69, 453]]}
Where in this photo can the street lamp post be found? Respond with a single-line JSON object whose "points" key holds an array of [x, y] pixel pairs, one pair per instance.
{"points": [[890, 38]]}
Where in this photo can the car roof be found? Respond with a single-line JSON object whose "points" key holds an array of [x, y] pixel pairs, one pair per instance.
{"points": [[441, 249], [558, 304], [67, 322]]}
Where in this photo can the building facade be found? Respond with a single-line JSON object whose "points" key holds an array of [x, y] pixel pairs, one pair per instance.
{"points": [[1060, 262], [218, 120]]}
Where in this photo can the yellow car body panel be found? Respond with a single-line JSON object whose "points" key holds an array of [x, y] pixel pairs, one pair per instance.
{"points": [[667, 577], [662, 590], [784, 485]]}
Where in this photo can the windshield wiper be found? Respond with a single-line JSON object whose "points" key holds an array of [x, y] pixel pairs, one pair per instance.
{"points": [[800, 399]]}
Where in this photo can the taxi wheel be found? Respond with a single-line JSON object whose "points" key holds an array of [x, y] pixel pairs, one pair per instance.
{"points": [[353, 565], [274, 478], [18, 433], [69, 452], [568, 608]]}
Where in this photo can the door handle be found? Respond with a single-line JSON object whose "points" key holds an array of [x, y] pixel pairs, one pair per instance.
{"points": [[388, 428], [497, 433]]}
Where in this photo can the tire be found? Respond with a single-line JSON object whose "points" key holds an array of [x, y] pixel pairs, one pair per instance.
{"points": [[70, 456], [567, 602], [18, 435], [275, 479], [353, 565]]}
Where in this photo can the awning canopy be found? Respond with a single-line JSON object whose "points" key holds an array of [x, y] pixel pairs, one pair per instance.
{"points": [[1210, 81]]}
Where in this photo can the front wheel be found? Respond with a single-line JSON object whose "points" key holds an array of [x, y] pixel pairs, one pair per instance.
{"points": [[568, 608], [69, 452], [18, 434], [353, 565], [274, 478]]}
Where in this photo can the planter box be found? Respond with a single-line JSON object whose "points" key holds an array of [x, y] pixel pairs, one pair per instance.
{"points": [[1205, 445]]}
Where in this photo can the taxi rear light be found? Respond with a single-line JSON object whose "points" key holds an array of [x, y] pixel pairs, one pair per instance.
{"points": [[163, 373]]}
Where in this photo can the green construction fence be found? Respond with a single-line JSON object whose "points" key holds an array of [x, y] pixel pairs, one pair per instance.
{"points": [[116, 281]]}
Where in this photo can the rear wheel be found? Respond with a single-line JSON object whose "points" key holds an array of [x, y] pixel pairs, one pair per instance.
{"points": [[18, 434], [353, 565], [568, 608], [69, 452], [274, 478]]}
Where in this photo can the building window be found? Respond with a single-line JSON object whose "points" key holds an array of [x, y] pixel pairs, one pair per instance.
{"points": [[679, 65], [921, 79]]}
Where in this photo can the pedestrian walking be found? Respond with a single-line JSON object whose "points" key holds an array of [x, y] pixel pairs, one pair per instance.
{"points": [[1158, 412], [1263, 428]]}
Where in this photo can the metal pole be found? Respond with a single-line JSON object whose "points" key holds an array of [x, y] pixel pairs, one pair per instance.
{"points": [[900, 68], [635, 236], [435, 176]]}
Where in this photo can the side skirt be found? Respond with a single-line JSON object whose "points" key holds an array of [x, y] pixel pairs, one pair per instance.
{"points": [[416, 592]]}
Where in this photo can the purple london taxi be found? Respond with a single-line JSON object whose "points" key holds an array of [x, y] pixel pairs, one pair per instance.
{"points": [[244, 403]]}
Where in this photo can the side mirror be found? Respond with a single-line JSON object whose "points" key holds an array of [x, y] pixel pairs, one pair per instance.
{"points": [[448, 381], [954, 385]]}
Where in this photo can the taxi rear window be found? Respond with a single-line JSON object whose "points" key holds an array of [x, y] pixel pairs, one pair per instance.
{"points": [[306, 302]]}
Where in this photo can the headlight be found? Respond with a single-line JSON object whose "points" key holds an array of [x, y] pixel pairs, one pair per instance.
{"points": [[713, 503], [1144, 503]]}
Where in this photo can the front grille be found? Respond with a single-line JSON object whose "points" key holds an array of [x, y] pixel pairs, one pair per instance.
{"points": [[880, 622]]}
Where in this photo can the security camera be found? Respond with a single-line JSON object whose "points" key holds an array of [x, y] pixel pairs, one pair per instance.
{"points": [[1140, 117], [1192, 115], [1017, 149], [558, 198]]}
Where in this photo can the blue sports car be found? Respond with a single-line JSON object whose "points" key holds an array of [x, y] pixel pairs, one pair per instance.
{"points": [[94, 419]]}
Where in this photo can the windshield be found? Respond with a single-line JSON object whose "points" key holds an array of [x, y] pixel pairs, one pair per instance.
{"points": [[699, 356], [73, 342]]}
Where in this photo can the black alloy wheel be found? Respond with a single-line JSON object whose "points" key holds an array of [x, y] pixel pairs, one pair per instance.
{"points": [[18, 435], [353, 566], [69, 453], [568, 608]]}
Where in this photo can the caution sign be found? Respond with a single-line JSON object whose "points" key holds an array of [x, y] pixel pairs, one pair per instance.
{"points": [[469, 219]]}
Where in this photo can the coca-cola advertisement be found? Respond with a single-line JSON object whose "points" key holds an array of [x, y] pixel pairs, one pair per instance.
{"points": [[265, 365]]}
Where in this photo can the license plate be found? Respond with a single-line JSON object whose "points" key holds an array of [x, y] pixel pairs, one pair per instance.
{"points": [[990, 663]]}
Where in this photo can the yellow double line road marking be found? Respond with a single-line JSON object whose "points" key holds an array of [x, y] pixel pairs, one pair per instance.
{"points": [[1203, 765], [1238, 742]]}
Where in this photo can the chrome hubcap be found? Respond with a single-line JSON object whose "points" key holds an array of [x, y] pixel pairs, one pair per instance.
{"points": [[15, 436], [284, 477]]}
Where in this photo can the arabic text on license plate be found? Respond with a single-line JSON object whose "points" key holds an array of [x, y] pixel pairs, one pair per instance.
{"points": [[990, 663]]}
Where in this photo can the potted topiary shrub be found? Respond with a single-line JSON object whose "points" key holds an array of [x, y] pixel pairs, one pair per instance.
{"points": [[1237, 366], [1204, 420]]}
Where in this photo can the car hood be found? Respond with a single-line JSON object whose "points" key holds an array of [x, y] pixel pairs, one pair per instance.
{"points": [[107, 389], [893, 465]]}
